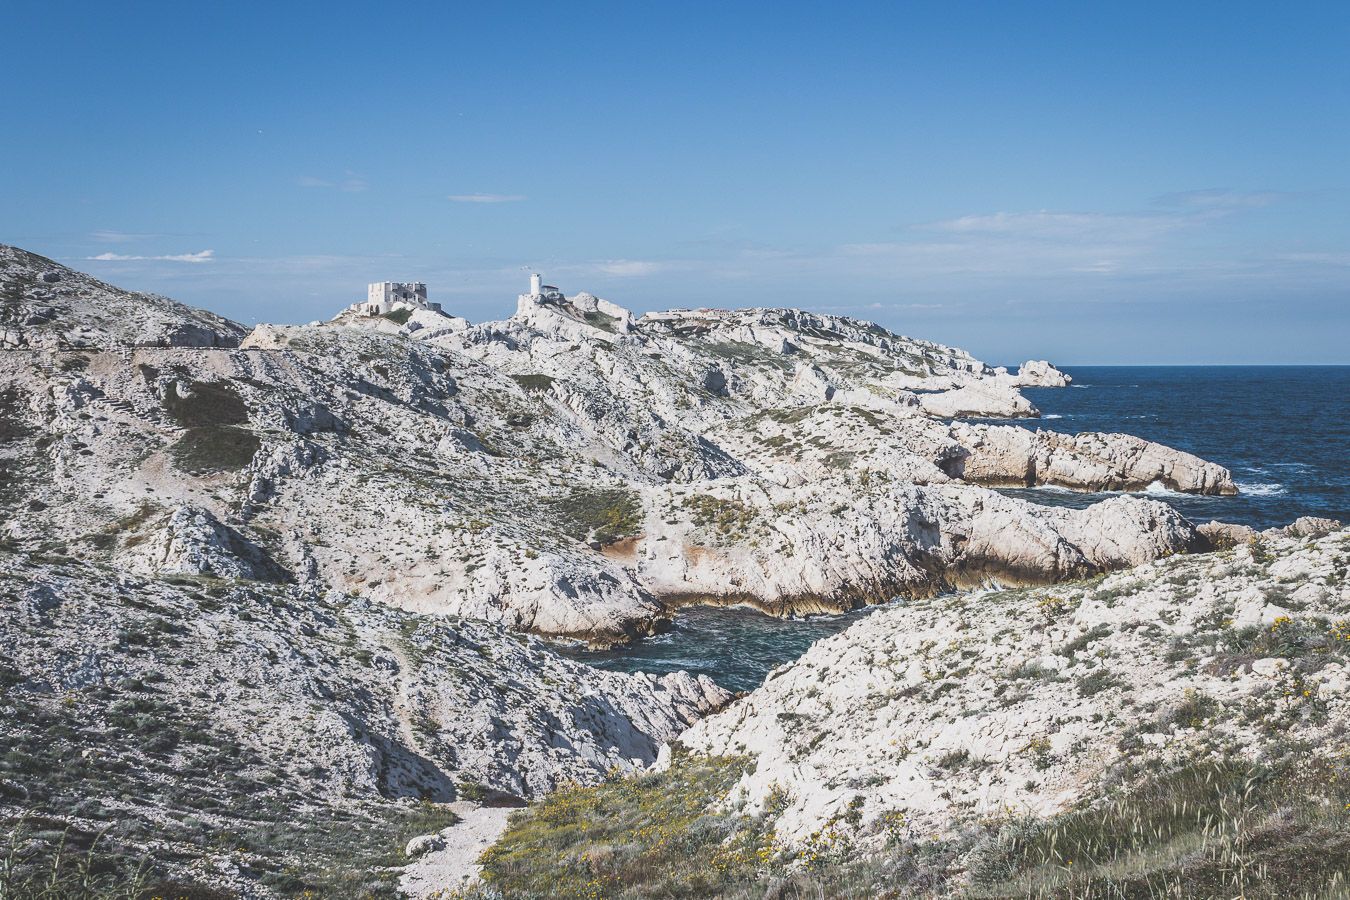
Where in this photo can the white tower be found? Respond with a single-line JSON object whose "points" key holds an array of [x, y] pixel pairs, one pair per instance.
{"points": [[534, 284]]}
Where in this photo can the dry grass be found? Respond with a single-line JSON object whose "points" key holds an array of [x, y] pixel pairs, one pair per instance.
{"points": [[1205, 830]]}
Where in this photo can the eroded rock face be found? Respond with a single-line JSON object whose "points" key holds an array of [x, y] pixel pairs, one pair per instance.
{"points": [[192, 541], [1039, 373], [982, 399], [427, 686], [945, 710], [810, 550]]}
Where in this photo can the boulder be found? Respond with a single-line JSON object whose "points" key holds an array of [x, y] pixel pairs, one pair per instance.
{"points": [[1223, 535], [1003, 456], [1039, 373]]}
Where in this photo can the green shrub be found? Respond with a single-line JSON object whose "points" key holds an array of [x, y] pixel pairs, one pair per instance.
{"points": [[730, 518], [656, 835], [208, 403], [210, 449], [604, 514], [537, 384]]}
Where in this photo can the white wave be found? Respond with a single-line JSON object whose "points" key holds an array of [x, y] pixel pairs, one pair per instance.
{"points": [[1261, 489], [1158, 489], [1052, 416], [1053, 489], [1082, 386]]}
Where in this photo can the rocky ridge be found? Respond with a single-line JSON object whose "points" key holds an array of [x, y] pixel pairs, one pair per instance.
{"points": [[938, 713], [313, 557], [47, 306]]}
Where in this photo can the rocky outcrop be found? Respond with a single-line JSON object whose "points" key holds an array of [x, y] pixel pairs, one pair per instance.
{"points": [[1039, 373], [193, 542], [939, 712], [982, 399], [811, 550], [47, 306], [1016, 457], [298, 712]]}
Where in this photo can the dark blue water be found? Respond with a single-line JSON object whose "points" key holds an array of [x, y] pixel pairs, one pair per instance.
{"points": [[1284, 432], [736, 647]]}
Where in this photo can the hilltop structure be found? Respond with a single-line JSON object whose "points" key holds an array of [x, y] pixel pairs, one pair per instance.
{"points": [[383, 297]]}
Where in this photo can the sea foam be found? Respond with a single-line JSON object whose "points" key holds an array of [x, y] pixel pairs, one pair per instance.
{"points": [[1260, 489]]}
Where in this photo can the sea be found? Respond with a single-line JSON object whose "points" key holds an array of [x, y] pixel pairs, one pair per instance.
{"points": [[1283, 431]]}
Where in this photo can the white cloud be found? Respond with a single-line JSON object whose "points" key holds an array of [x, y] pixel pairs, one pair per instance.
{"points": [[1323, 259], [1044, 224], [201, 257], [485, 198]]}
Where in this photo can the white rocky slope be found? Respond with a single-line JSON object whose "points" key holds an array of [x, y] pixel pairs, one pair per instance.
{"points": [[939, 712], [572, 470], [126, 702], [47, 306]]}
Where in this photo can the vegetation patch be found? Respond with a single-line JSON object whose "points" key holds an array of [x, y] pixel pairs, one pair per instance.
{"points": [[605, 515], [535, 384], [398, 316], [600, 320], [728, 517], [210, 449], [207, 404], [655, 835], [1216, 829], [12, 426], [1204, 830], [79, 833], [1307, 642]]}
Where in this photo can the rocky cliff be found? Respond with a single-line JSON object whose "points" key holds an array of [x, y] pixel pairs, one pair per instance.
{"points": [[166, 713], [47, 306]]}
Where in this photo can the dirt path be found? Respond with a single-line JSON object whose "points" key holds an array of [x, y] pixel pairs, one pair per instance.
{"points": [[456, 865]]}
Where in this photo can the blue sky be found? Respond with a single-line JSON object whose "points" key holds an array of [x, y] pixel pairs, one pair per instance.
{"points": [[1093, 183]]}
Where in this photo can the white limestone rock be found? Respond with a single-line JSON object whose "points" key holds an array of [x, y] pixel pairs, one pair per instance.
{"points": [[1016, 457], [811, 549], [955, 708], [1039, 373], [384, 703], [983, 399], [542, 471], [192, 541], [48, 306]]}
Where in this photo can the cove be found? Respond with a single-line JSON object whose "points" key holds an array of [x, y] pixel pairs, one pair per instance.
{"points": [[734, 646]]}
